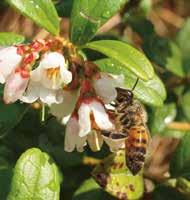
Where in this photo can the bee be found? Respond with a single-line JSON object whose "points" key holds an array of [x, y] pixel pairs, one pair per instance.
{"points": [[130, 121]]}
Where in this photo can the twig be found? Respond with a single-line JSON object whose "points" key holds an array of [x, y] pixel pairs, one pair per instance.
{"points": [[87, 160], [183, 126]]}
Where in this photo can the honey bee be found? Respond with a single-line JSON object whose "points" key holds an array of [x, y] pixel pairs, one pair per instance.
{"points": [[130, 122]]}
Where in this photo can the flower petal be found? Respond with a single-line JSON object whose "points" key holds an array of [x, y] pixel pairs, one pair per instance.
{"points": [[100, 116], [105, 86], [14, 87], [32, 92], [66, 75], [49, 96], [52, 60], [68, 105], [9, 59], [114, 144], [72, 138], [84, 120]]}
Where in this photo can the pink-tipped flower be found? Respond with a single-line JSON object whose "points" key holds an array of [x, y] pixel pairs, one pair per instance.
{"points": [[9, 60], [15, 86], [91, 111], [89, 118]]}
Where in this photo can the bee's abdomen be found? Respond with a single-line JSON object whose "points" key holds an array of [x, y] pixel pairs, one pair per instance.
{"points": [[136, 147]]}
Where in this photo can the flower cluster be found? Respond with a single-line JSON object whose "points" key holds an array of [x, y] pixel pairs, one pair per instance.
{"points": [[51, 72]]}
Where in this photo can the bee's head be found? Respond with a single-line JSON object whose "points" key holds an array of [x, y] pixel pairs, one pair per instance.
{"points": [[124, 95]]}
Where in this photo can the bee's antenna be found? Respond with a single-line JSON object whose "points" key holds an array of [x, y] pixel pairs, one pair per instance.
{"points": [[135, 84]]}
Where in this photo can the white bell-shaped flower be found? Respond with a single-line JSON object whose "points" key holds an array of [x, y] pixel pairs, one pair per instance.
{"points": [[52, 71]]}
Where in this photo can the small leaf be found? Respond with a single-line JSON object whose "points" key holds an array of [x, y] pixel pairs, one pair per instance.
{"points": [[161, 117], [88, 15], [8, 39], [128, 56], [115, 178], [180, 163], [41, 12], [167, 193], [150, 92], [185, 104], [35, 177], [90, 189]]}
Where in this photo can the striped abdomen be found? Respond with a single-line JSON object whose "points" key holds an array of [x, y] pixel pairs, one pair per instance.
{"points": [[136, 148]]}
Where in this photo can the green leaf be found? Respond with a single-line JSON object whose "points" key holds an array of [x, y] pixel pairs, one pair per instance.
{"points": [[35, 177], [167, 193], [41, 12], [10, 116], [185, 104], [88, 15], [8, 39], [115, 178], [5, 182], [90, 189], [182, 37], [150, 92], [128, 56], [64, 8], [161, 117], [162, 51], [183, 185], [180, 163]]}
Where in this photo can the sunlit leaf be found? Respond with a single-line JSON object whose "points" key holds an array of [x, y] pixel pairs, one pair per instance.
{"points": [[35, 177], [42, 12], [115, 178], [8, 39], [128, 56], [150, 92], [88, 15]]}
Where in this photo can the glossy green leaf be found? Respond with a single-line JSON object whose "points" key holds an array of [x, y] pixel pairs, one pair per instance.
{"points": [[150, 92], [168, 132], [115, 178], [35, 177], [41, 12], [185, 104], [160, 117], [180, 163], [8, 39], [167, 193], [90, 189], [88, 15], [128, 56]]}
